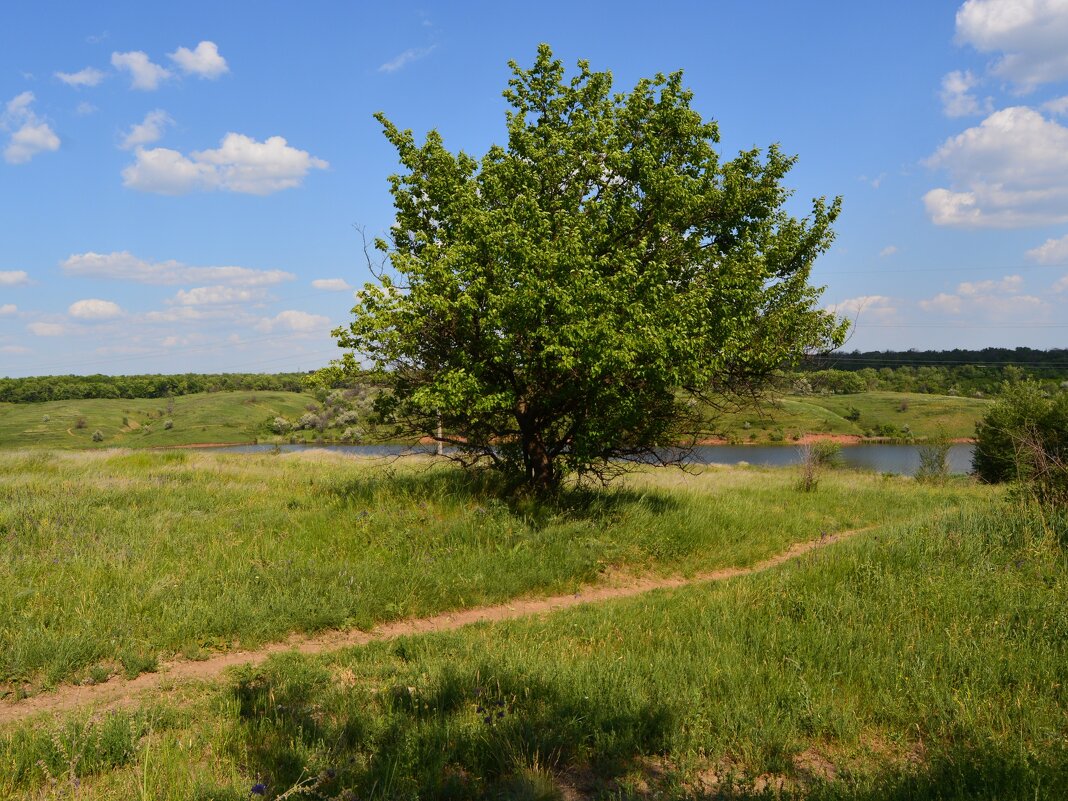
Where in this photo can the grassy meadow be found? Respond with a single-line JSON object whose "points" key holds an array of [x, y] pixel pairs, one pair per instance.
{"points": [[207, 417], [862, 414], [113, 560], [240, 417], [927, 659]]}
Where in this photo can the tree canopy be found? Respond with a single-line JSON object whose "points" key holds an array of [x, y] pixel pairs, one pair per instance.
{"points": [[579, 296]]}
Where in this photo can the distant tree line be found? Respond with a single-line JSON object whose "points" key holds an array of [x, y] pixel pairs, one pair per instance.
{"points": [[947, 372], [80, 387]]}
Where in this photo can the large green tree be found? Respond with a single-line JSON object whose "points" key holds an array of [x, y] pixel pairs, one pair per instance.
{"points": [[579, 297]]}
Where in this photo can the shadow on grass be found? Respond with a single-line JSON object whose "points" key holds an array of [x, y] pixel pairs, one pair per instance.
{"points": [[484, 489], [467, 735], [495, 734]]}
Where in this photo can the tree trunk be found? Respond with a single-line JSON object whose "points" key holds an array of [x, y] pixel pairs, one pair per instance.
{"points": [[542, 477]]}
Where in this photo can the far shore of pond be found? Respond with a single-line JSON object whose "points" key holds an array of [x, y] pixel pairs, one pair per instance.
{"points": [[805, 439]]}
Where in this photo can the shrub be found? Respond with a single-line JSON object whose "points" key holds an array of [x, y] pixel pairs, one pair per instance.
{"points": [[853, 414], [281, 425], [98, 436], [1024, 438], [815, 457], [351, 435], [81, 422], [346, 419], [168, 425], [310, 420], [46, 418], [934, 466]]}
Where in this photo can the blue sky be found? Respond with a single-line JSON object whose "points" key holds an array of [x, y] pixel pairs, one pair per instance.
{"points": [[179, 183]]}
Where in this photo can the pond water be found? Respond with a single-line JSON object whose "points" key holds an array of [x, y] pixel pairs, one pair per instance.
{"points": [[900, 459]]}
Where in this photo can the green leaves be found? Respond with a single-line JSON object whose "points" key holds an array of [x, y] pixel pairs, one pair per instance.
{"points": [[554, 300]]}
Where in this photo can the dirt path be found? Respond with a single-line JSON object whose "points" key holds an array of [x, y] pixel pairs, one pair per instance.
{"points": [[119, 692]]}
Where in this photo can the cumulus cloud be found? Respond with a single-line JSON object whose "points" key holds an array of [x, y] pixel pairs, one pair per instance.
{"points": [[8, 309], [1060, 285], [876, 307], [216, 296], [94, 309], [1057, 106], [991, 301], [1030, 35], [85, 108], [46, 329], [90, 76], [957, 99], [13, 277], [124, 266], [30, 135], [296, 321], [239, 164], [331, 284], [404, 59], [144, 75], [147, 131], [889, 250], [1052, 251], [203, 61], [1009, 171]]}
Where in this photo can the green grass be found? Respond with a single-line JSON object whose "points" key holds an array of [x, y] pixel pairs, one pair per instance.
{"points": [[110, 561], [214, 417], [928, 660], [923, 415], [239, 417]]}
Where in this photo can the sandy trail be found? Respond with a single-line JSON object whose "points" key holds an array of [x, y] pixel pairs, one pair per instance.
{"points": [[119, 692]]}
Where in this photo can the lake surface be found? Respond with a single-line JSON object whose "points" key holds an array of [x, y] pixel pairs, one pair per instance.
{"points": [[899, 459]]}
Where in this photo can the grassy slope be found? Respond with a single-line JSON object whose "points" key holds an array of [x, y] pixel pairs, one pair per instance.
{"points": [[109, 560], [927, 661], [925, 415], [240, 416], [206, 417]]}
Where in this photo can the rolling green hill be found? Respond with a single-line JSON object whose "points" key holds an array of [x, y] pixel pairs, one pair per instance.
{"points": [[215, 417]]}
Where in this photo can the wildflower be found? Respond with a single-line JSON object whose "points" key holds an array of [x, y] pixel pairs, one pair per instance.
{"points": [[259, 789]]}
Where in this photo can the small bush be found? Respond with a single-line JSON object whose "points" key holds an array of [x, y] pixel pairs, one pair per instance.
{"points": [[98, 436], [168, 425], [853, 414], [934, 467], [1024, 438], [281, 425], [81, 422], [346, 419], [46, 418]]}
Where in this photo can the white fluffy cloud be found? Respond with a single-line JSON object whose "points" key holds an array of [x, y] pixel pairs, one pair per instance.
{"points": [[46, 329], [1058, 106], [404, 59], [216, 296], [94, 309], [957, 98], [1030, 35], [124, 266], [889, 250], [296, 321], [239, 164], [30, 135], [203, 61], [147, 131], [90, 76], [1052, 251], [1009, 171], [13, 277], [1060, 285], [989, 301], [8, 309], [874, 307], [331, 284], [144, 75]]}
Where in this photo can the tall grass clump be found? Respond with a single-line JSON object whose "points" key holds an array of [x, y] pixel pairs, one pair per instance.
{"points": [[815, 457], [934, 454]]}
